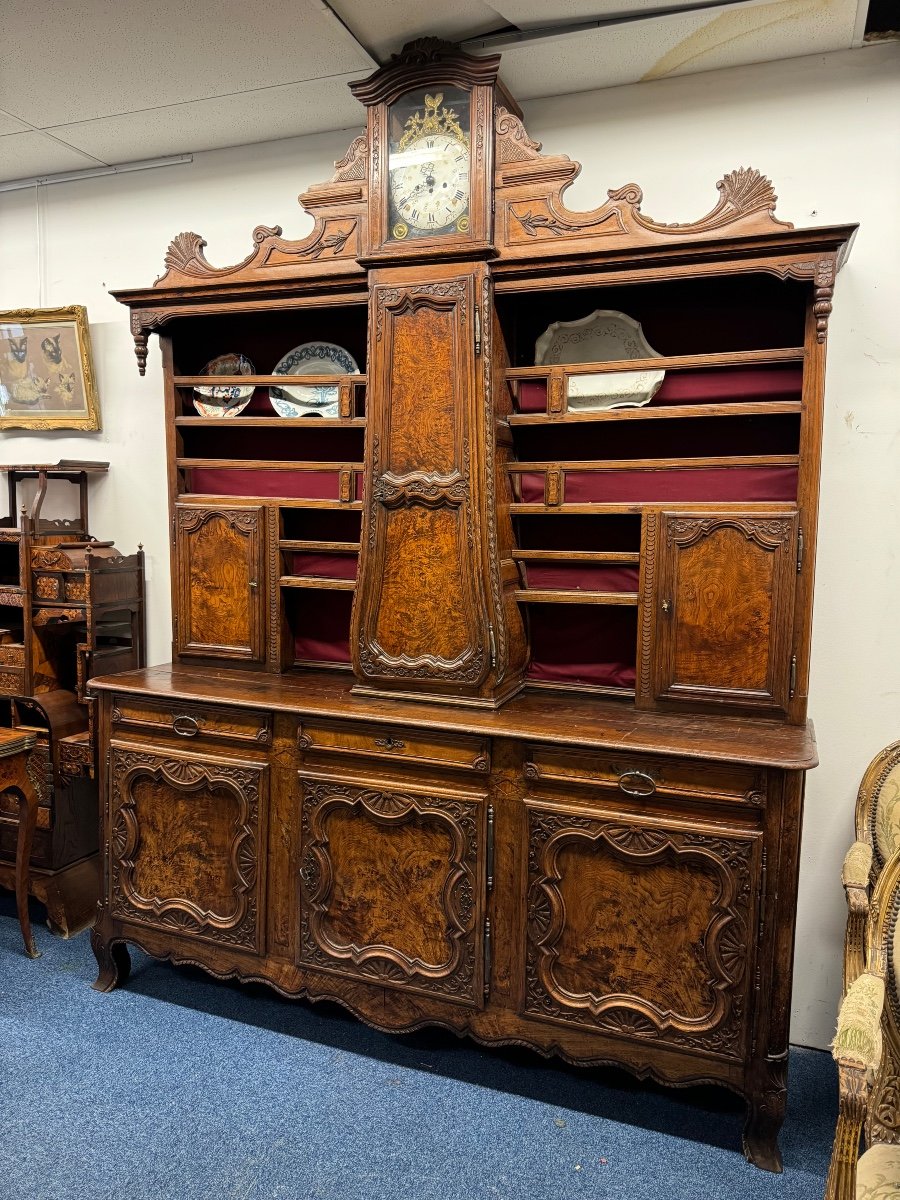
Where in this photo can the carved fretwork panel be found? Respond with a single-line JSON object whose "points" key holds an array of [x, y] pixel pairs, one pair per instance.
{"points": [[422, 610], [185, 844], [392, 887], [719, 602], [642, 930], [220, 582]]}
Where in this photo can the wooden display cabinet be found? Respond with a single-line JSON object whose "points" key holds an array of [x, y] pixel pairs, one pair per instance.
{"points": [[486, 710], [70, 607]]}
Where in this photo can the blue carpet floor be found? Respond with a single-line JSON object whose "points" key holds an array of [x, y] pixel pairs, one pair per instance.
{"points": [[179, 1087]]}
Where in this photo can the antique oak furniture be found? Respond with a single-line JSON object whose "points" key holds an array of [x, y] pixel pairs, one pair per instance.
{"points": [[70, 607], [485, 713], [17, 777]]}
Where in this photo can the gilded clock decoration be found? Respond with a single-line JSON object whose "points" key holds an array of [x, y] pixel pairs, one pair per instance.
{"points": [[430, 171]]}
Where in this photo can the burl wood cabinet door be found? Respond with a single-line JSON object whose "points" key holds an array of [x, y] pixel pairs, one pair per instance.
{"points": [[718, 608], [184, 848], [392, 886], [220, 583], [642, 928], [421, 622]]}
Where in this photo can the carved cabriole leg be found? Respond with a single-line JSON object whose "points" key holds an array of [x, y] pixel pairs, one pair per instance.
{"points": [[765, 1115], [841, 1183], [112, 958]]}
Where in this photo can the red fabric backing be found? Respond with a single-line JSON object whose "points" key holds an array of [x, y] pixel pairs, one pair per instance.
{"points": [[325, 566], [627, 487], [576, 643], [582, 577], [296, 485], [321, 624]]}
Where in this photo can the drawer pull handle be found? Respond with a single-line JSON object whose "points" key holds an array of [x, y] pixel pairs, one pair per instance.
{"points": [[185, 726], [390, 743], [646, 784]]}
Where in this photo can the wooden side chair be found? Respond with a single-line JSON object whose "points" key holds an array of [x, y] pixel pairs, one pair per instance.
{"points": [[867, 1044], [15, 751]]}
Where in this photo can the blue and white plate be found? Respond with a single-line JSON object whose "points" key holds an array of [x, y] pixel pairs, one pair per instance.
{"points": [[312, 400], [224, 400]]}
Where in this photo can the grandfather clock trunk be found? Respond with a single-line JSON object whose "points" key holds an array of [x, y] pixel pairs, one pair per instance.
{"points": [[431, 617]]}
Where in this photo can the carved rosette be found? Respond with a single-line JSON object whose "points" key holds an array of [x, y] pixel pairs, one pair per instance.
{"points": [[725, 942], [457, 975], [180, 914]]}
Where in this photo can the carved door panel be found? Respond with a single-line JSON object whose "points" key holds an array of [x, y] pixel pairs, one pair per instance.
{"points": [[641, 928], [219, 582], [421, 620], [185, 838], [392, 886], [719, 605]]}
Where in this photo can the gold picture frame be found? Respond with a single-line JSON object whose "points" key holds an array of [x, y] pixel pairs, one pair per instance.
{"points": [[46, 370]]}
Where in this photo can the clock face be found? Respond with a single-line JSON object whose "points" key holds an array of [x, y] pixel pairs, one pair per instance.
{"points": [[429, 183], [430, 193]]}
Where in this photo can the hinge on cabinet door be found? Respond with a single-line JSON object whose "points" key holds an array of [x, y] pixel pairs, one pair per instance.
{"points": [[490, 848], [175, 630], [493, 646], [799, 551], [793, 685], [477, 332], [487, 957], [173, 529]]}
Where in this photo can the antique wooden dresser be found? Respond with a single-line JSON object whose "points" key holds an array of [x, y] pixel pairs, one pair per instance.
{"points": [[487, 706]]}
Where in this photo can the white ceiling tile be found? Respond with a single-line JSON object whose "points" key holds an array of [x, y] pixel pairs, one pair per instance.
{"points": [[117, 57], [25, 154], [384, 25], [529, 14], [11, 124], [676, 45], [259, 116]]}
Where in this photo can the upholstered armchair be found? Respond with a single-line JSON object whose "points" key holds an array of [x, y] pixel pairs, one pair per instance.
{"points": [[867, 1044]]}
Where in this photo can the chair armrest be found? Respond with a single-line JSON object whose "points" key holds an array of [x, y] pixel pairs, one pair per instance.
{"points": [[855, 875], [857, 1042]]}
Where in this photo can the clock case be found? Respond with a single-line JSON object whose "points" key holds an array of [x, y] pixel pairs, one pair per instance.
{"points": [[433, 66]]}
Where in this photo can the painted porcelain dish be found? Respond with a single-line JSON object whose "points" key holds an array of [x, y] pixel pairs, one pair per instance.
{"points": [[602, 336], [311, 400], [225, 400]]}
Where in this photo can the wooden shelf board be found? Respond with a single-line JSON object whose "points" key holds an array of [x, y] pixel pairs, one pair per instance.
{"points": [[319, 547], [572, 556], [675, 362], [601, 509], [662, 412], [280, 381], [547, 596], [272, 422], [280, 501], [659, 464], [265, 464], [313, 581]]}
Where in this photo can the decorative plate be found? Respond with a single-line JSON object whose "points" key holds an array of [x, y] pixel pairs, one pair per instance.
{"points": [[226, 400], [602, 336], [313, 400]]}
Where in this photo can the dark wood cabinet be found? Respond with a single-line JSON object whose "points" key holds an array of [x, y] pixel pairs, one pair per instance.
{"points": [[219, 574], [489, 706]]}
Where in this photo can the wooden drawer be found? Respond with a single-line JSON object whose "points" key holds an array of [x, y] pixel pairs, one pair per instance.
{"points": [[12, 655], [642, 776], [190, 721], [395, 743], [12, 680]]}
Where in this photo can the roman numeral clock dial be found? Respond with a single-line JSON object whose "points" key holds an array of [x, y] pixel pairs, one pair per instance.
{"points": [[430, 168]]}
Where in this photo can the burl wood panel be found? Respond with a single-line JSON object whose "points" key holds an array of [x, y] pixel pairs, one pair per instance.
{"points": [[184, 851], [391, 886], [423, 419], [641, 929], [218, 559], [724, 603]]}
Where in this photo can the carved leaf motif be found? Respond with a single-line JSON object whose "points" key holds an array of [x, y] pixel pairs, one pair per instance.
{"points": [[185, 254], [747, 190], [513, 143]]}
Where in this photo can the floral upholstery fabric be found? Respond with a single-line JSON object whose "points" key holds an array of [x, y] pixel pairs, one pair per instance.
{"points": [[887, 814], [858, 1038], [857, 865], [878, 1174]]}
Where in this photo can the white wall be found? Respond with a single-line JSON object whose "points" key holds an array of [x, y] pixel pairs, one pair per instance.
{"points": [[823, 128]]}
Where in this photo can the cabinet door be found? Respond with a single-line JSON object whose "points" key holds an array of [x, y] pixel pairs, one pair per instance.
{"points": [[185, 837], [641, 928], [219, 582], [719, 603], [421, 620], [393, 883]]}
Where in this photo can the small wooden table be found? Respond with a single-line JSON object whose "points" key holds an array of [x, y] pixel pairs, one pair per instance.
{"points": [[15, 751]]}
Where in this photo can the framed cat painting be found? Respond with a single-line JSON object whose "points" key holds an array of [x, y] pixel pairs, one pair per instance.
{"points": [[46, 372]]}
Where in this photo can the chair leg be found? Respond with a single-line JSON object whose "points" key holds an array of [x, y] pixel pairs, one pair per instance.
{"points": [[28, 811]]}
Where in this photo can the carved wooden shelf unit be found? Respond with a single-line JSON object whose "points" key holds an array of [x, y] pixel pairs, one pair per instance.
{"points": [[554, 797], [70, 607]]}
